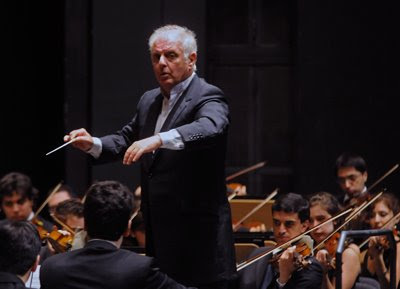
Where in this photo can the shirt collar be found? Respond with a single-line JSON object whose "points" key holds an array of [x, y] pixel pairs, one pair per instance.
{"points": [[107, 241], [180, 87]]}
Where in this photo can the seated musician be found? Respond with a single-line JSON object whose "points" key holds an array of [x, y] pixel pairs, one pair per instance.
{"points": [[64, 193], [351, 174], [70, 213], [376, 261], [290, 215], [322, 207], [19, 253], [17, 198], [101, 263]]}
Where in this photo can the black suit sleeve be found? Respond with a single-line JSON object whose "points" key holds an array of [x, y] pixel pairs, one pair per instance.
{"points": [[155, 279], [211, 120], [309, 277]]}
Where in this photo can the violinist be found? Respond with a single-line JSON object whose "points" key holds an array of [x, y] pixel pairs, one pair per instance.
{"points": [[290, 215], [17, 196], [65, 192], [19, 253], [322, 207], [351, 175], [376, 261], [101, 263], [70, 213]]}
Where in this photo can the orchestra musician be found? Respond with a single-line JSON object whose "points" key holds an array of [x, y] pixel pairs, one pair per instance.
{"points": [[351, 175], [19, 253], [179, 135], [323, 206], [65, 192], [290, 215], [101, 264], [376, 261], [17, 196], [70, 213]]}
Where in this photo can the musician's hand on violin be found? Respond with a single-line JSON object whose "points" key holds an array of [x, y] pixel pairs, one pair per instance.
{"points": [[50, 248], [286, 264], [138, 148], [374, 247], [82, 139], [324, 259]]}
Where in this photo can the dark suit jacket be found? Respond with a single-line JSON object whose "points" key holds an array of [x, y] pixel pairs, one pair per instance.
{"points": [[261, 275], [10, 281], [101, 265], [186, 212]]}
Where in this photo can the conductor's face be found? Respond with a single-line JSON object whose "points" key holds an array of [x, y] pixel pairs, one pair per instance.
{"points": [[170, 64]]}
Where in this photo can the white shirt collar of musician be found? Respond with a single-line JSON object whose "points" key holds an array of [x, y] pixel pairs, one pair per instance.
{"points": [[30, 217], [179, 88], [108, 241], [347, 197]]}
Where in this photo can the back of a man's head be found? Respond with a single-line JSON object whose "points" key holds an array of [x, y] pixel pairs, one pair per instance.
{"points": [[293, 203], [107, 209], [19, 246]]}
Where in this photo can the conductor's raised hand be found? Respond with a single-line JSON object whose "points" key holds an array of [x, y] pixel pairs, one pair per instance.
{"points": [[138, 148], [81, 139]]}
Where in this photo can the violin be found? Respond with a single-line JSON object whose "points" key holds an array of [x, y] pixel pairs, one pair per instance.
{"points": [[60, 240], [235, 189], [43, 233], [302, 251]]}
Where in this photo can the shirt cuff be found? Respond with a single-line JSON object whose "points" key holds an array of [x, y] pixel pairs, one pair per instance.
{"points": [[96, 149], [171, 140], [280, 285]]}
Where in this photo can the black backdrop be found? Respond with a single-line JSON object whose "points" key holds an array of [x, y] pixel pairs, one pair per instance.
{"points": [[69, 65]]}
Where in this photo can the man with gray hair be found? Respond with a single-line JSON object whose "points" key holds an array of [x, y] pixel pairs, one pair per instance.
{"points": [[179, 136]]}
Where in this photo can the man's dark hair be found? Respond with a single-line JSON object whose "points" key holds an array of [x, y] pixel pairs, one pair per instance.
{"points": [[293, 203], [107, 209], [19, 183], [348, 159], [19, 246], [69, 207]]}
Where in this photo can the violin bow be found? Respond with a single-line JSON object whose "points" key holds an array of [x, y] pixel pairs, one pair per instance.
{"points": [[56, 188], [249, 169], [255, 209], [68, 228], [254, 259], [383, 177], [392, 221], [348, 219]]}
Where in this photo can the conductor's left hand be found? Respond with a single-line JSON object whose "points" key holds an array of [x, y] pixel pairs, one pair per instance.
{"points": [[138, 148]]}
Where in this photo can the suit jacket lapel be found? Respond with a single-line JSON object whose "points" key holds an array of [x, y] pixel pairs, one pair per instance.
{"points": [[149, 126], [152, 115], [179, 106]]}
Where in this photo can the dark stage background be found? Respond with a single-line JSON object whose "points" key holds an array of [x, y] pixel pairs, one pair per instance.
{"points": [[306, 80]]}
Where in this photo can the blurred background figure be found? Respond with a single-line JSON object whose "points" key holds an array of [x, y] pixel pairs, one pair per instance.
{"points": [[65, 192], [70, 212]]}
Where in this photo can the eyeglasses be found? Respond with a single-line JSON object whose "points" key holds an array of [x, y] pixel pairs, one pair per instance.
{"points": [[351, 178]]}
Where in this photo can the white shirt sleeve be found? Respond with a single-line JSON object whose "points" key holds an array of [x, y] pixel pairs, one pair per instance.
{"points": [[171, 140], [96, 149]]}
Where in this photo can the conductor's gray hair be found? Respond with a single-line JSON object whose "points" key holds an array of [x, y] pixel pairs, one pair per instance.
{"points": [[184, 35]]}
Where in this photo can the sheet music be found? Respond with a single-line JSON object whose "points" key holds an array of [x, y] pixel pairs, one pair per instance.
{"points": [[34, 281]]}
